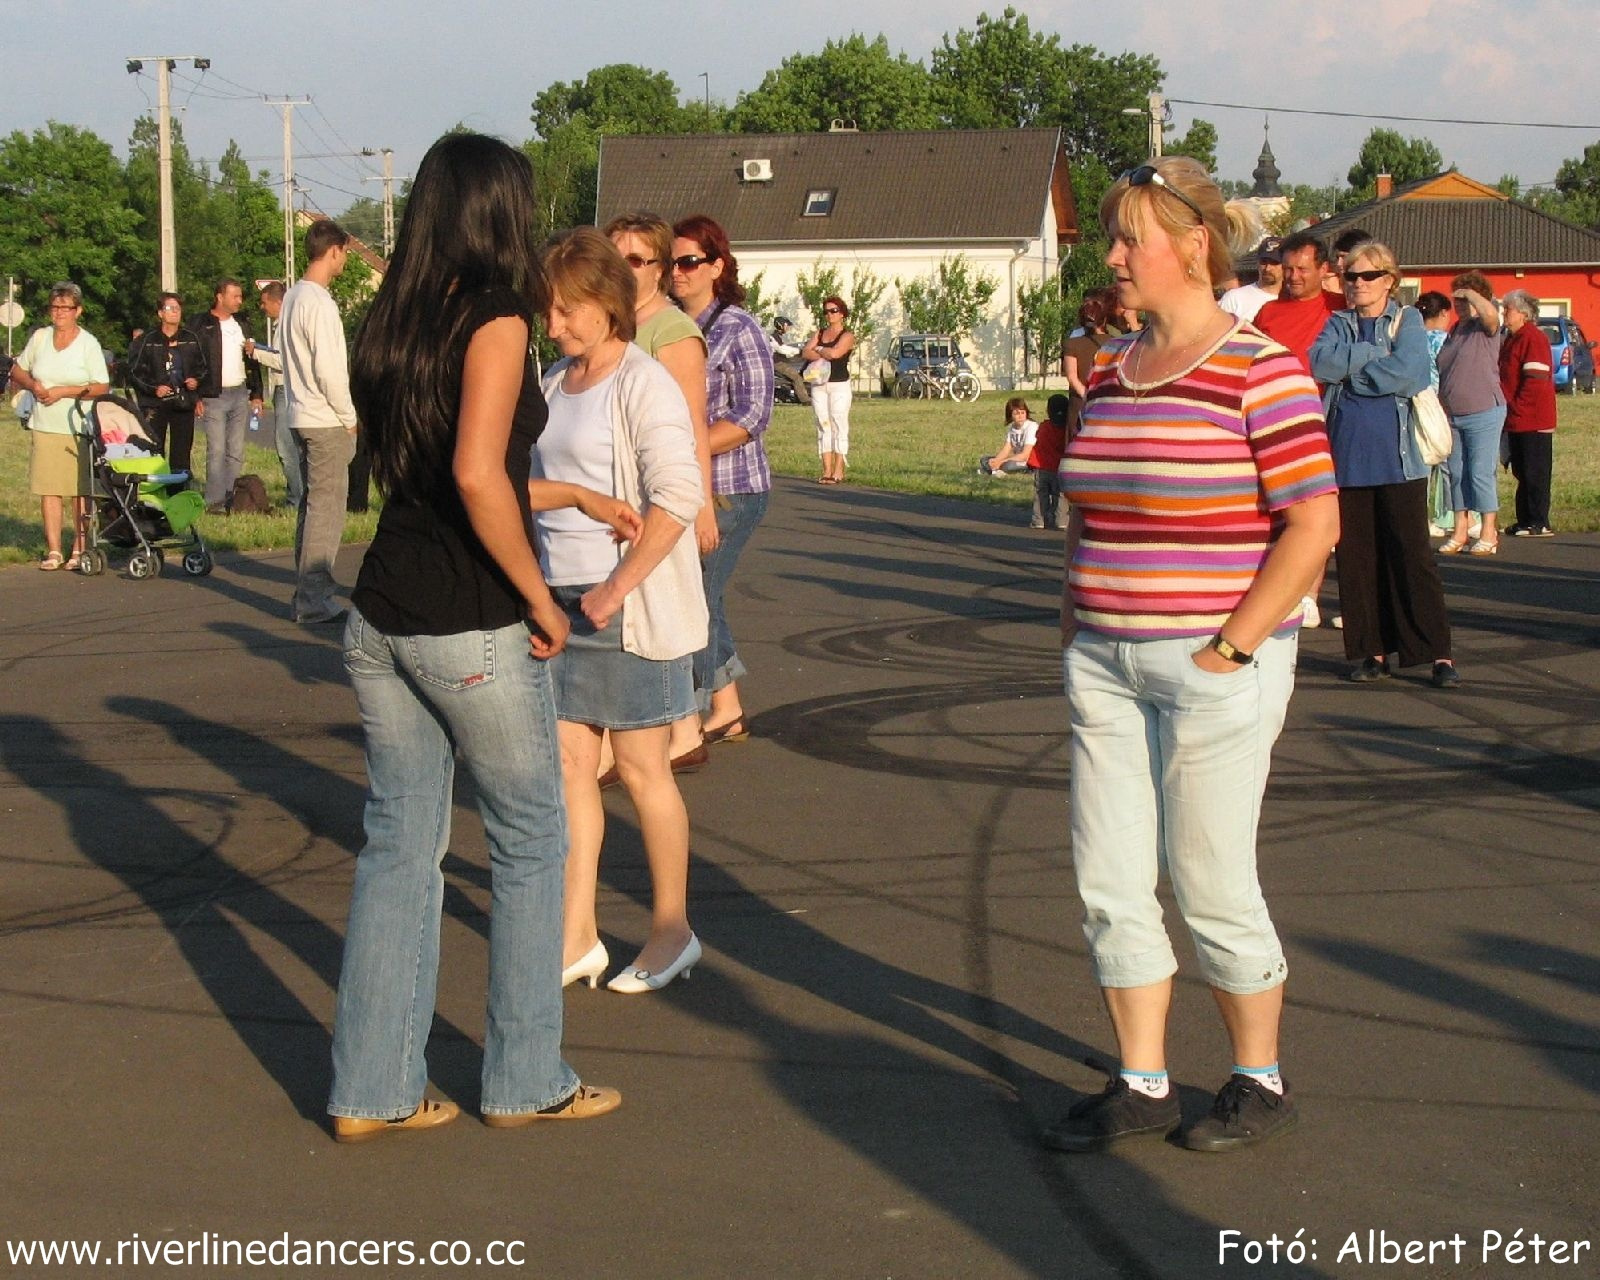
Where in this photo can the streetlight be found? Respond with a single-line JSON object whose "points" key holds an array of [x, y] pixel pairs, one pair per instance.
{"points": [[1158, 116]]}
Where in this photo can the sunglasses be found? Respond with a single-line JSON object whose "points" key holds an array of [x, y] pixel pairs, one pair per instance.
{"points": [[636, 262], [830, 311], [1350, 277], [1147, 175], [690, 261]]}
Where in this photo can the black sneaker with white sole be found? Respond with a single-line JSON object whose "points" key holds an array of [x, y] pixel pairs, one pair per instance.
{"points": [[1111, 1117], [1243, 1114]]}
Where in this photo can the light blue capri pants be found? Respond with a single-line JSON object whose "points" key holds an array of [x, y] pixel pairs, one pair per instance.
{"points": [[1169, 763]]}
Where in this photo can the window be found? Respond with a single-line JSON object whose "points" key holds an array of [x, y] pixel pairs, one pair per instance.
{"points": [[819, 202]]}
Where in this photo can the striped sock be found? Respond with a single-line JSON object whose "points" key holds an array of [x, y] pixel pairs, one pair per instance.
{"points": [[1267, 1077], [1153, 1084]]}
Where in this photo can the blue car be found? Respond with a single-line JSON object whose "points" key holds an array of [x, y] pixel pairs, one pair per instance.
{"points": [[1573, 355]]}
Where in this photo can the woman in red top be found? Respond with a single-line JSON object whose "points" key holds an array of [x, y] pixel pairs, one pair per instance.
{"points": [[1525, 377]]}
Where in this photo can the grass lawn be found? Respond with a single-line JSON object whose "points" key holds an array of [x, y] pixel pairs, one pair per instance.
{"points": [[905, 446]]}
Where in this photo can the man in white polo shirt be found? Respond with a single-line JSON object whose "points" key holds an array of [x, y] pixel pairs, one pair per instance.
{"points": [[316, 375], [230, 389]]}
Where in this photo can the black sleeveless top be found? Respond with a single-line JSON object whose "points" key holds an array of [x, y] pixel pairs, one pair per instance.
{"points": [[426, 573]]}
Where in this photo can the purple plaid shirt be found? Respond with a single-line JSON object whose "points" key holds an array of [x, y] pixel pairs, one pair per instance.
{"points": [[739, 390]]}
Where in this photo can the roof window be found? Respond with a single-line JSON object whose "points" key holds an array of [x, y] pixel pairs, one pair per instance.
{"points": [[819, 202]]}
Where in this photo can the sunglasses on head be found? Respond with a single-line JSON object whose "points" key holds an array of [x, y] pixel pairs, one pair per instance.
{"points": [[1147, 175], [1350, 277], [635, 261], [689, 261]]}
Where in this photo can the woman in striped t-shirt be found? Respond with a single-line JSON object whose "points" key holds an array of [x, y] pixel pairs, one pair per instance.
{"points": [[1203, 508]]}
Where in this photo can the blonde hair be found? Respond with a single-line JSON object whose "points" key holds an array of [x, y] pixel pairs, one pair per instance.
{"points": [[1379, 254], [1132, 210]]}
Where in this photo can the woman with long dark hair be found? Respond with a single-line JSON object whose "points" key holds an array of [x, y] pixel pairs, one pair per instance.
{"points": [[447, 647], [705, 281]]}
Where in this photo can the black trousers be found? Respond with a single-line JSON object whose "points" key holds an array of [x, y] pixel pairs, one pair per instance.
{"points": [[1390, 591], [1532, 458], [172, 432]]}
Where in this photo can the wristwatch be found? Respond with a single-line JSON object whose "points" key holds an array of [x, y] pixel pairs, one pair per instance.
{"points": [[1230, 652]]}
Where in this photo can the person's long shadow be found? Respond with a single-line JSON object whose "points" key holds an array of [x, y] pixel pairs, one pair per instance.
{"points": [[207, 903], [853, 1086], [204, 903], [1569, 1045]]}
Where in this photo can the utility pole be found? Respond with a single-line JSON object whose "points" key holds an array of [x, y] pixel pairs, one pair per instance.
{"points": [[1158, 122], [288, 105], [169, 239], [388, 195]]}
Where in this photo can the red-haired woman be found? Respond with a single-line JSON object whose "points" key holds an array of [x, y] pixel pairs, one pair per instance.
{"points": [[830, 400]]}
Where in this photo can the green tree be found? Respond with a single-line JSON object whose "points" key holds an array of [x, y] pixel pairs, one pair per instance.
{"points": [[757, 301], [1577, 194], [64, 215], [851, 79], [1003, 74], [1046, 319], [619, 98], [1385, 151], [952, 298], [570, 119], [1084, 268], [822, 281]]}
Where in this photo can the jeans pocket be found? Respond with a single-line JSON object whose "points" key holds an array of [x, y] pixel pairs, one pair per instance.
{"points": [[366, 651], [454, 662], [1215, 684]]}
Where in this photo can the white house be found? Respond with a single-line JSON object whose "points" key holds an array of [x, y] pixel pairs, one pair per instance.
{"points": [[894, 203]]}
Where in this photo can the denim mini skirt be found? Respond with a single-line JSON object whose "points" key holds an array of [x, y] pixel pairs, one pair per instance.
{"points": [[598, 683]]}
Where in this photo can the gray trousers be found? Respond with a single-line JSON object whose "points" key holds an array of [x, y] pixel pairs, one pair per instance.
{"points": [[288, 449], [325, 455], [226, 423]]}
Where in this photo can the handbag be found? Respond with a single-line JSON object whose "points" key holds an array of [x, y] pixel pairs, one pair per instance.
{"points": [[816, 372], [1430, 426]]}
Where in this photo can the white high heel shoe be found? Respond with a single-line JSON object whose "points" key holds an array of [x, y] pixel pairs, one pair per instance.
{"points": [[633, 982], [590, 965]]}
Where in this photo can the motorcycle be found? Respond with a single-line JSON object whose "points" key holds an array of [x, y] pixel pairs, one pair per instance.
{"points": [[788, 386]]}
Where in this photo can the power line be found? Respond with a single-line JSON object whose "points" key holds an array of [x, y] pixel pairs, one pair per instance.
{"points": [[1368, 115]]}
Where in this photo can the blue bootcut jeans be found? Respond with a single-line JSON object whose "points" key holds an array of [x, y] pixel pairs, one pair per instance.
{"points": [[425, 700], [717, 665]]}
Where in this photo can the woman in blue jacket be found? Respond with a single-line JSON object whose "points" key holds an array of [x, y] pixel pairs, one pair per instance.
{"points": [[1372, 358]]}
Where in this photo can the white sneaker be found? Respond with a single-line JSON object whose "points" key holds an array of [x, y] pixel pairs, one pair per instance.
{"points": [[1337, 622], [1310, 615]]}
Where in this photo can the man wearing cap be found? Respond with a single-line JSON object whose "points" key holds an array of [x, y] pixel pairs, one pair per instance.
{"points": [[1247, 299]]}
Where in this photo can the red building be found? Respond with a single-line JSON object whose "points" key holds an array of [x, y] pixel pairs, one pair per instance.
{"points": [[1447, 224]]}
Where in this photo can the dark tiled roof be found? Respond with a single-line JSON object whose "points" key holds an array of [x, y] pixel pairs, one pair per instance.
{"points": [[954, 184], [1431, 233]]}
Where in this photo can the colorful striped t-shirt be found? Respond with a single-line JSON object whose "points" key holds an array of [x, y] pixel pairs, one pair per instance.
{"points": [[1179, 485]]}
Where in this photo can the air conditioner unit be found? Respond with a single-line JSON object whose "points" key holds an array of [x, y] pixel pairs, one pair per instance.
{"points": [[758, 171]]}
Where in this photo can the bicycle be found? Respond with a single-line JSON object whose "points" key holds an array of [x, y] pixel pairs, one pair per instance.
{"points": [[936, 382]]}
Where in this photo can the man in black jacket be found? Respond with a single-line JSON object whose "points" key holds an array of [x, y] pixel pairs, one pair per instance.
{"points": [[230, 391]]}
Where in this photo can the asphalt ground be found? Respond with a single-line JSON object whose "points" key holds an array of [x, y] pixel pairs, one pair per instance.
{"points": [[895, 993]]}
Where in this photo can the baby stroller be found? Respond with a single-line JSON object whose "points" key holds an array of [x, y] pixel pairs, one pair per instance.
{"points": [[137, 503]]}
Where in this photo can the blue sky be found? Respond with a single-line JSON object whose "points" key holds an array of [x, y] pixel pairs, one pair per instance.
{"points": [[399, 73]]}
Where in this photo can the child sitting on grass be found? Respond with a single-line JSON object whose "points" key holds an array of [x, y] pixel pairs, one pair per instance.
{"points": [[1020, 433]]}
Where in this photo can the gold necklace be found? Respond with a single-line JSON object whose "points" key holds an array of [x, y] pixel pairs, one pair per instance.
{"points": [[1135, 356]]}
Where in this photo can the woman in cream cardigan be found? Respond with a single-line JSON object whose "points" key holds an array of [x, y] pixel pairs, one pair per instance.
{"points": [[638, 610]]}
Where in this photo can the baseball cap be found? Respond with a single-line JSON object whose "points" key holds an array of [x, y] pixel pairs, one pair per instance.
{"points": [[1270, 249]]}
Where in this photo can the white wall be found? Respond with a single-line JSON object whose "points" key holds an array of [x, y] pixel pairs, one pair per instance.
{"points": [[995, 347]]}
